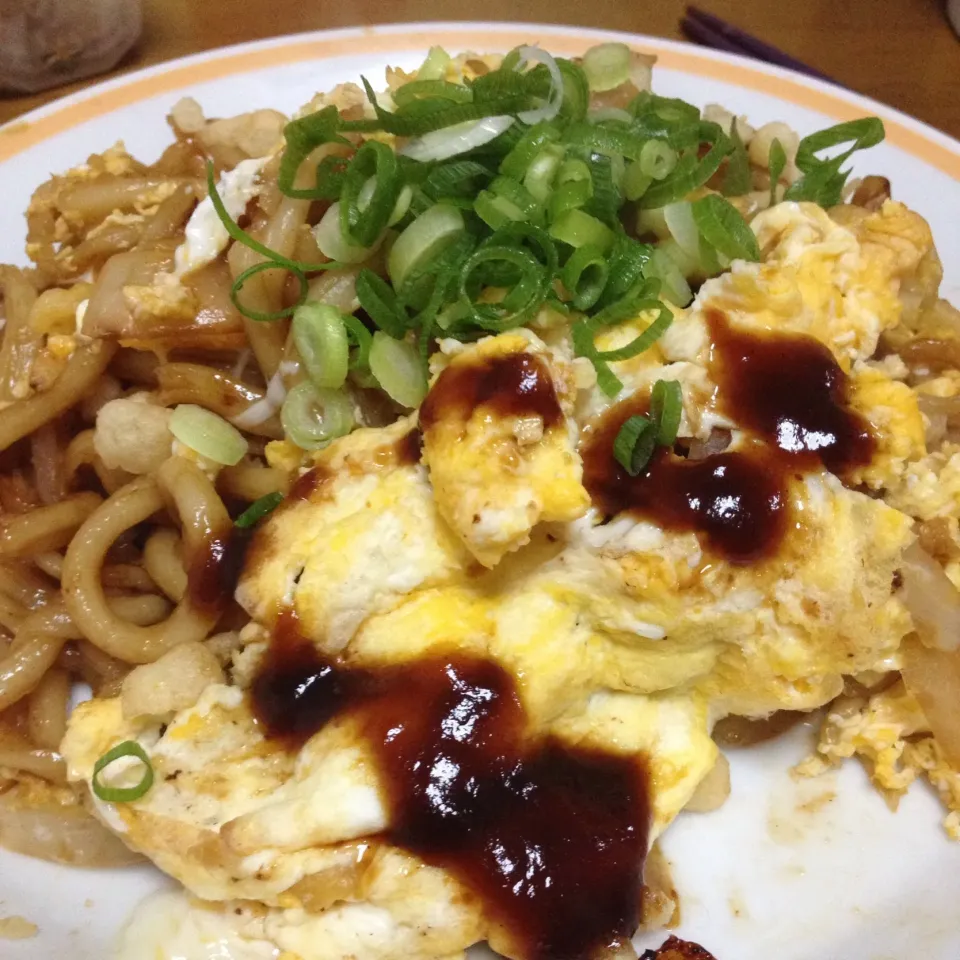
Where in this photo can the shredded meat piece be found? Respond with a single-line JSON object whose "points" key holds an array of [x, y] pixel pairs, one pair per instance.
{"points": [[674, 948]]}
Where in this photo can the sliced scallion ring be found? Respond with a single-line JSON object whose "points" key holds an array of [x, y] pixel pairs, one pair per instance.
{"points": [[607, 66], [328, 234], [435, 66], [208, 434], [578, 229], [423, 239], [397, 368], [585, 275], [258, 510], [129, 748], [666, 408], [321, 340], [634, 444], [313, 416], [657, 159]]}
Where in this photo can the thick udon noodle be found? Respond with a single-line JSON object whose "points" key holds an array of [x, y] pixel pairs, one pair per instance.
{"points": [[94, 560]]}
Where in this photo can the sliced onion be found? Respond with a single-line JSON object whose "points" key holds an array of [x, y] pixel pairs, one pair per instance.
{"points": [[933, 677], [62, 833], [551, 108], [263, 409], [932, 599], [459, 138], [332, 243], [397, 368], [607, 65], [682, 227], [208, 434]]}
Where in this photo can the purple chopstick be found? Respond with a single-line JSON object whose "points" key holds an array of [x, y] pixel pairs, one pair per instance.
{"points": [[710, 31]]}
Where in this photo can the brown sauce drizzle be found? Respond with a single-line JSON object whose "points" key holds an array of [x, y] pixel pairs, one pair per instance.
{"points": [[789, 390], [407, 448], [551, 837], [516, 384], [215, 569], [790, 394]]}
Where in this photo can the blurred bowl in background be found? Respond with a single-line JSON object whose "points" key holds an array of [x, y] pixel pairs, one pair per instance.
{"points": [[45, 43]]}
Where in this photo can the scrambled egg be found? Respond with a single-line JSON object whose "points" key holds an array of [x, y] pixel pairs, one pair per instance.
{"points": [[619, 633]]}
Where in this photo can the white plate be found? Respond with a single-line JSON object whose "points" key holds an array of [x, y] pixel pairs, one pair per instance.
{"points": [[785, 870]]}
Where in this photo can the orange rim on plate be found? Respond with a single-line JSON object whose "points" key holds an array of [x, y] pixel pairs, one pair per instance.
{"points": [[29, 131]]}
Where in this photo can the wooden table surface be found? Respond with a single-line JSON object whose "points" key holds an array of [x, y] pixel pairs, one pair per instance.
{"points": [[902, 52]]}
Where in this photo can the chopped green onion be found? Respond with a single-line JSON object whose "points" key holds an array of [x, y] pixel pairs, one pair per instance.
{"points": [[640, 343], [736, 179], [456, 178], [657, 159], [313, 416], [635, 182], [585, 275], [427, 234], [302, 137], [607, 66], [208, 434], [690, 171], [569, 196], [528, 148], [723, 227], [823, 180], [396, 366], [523, 299], [422, 89], [496, 211], [258, 510], [332, 242], [775, 164], [666, 408], [435, 66], [538, 180], [361, 227], [362, 339], [129, 748], [379, 301], [606, 139], [321, 340], [576, 92], [578, 229], [626, 264], [634, 444]]}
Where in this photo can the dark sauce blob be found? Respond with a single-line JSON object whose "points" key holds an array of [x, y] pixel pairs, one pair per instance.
{"points": [[215, 569], [784, 389], [407, 448], [789, 390], [551, 837], [304, 486], [735, 499], [517, 384]]}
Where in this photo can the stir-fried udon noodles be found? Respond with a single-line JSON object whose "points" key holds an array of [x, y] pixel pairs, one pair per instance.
{"points": [[174, 356]]}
